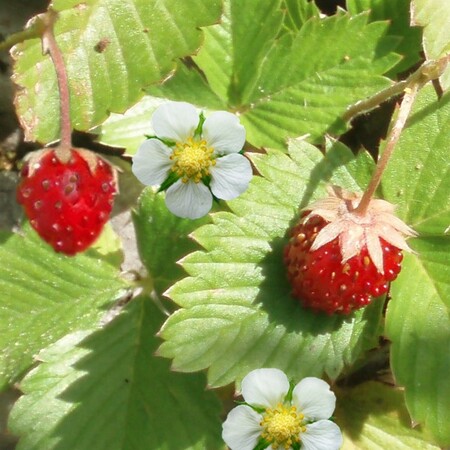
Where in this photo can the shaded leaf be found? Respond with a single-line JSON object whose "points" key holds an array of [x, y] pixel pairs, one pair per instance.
{"points": [[108, 391], [374, 416], [237, 313], [45, 295]]}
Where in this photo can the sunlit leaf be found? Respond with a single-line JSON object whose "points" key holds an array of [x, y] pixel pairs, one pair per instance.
{"points": [[112, 49], [45, 295], [237, 312]]}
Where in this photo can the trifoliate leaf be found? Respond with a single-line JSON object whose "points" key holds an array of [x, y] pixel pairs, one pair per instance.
{"points": [[162, 239], [108, 391], [418, 324], [236, 310], [112, 49], [45, 295], [373, 416], [297, 83], [434, 16], [418, 174], [397, 12]]}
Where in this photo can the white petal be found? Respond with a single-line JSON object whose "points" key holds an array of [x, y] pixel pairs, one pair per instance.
{"points": [[189, 200], [241, 430], [230, 176], [322, 435], [223, 132], [313, 398], [265, 387], [151, 163], [175, 121]]}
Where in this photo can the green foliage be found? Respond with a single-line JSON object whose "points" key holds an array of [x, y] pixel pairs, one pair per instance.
{"points": [[397, 12], [237, 294], [374, 416], [113, 49], [106, 390], [297, 83], [417, 318], [45, 295], [434, 16], [286, 71], [162, 239], [418, 173]]}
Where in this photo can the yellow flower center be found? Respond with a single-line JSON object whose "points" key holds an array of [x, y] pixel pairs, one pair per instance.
{"points": [[192, 160], [282, 426]]}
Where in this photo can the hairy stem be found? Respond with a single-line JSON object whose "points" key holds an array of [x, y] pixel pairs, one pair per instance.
{"points": [[428, 71], [50, 46], [394, 136]]}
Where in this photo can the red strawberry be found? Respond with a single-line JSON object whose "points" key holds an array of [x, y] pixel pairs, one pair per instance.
{"points": [[67, 196], [337, 260]]}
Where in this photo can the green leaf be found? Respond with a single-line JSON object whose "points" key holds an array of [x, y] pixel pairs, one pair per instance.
{"points": [[418, 324], [108, 391], [417, 175], [112, 49], [162, 239], [129, 130], [397, 12], [283, 86], [434, 16], [45, 295], [373, 416], [298, 12], [237, 313]]}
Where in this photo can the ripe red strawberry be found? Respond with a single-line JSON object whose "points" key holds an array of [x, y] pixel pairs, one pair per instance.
{"points": [[67, 196], [337, 260]]}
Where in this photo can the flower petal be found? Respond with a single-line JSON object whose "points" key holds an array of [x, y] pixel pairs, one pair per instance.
{"points": [[223, 131], [151, 163], [241, 430], [265, 387], [230, 176], [313, 398], [189, 200], [175, 121], [321, 435]]}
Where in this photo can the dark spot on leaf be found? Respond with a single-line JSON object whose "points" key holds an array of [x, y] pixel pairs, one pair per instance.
{"points": [[101, 45]]}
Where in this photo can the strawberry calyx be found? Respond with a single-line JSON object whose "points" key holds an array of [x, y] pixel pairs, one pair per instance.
{"points": [[357, 230]]}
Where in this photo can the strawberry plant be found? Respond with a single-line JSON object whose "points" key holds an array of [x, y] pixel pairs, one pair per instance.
{"points": [[131, 326]]}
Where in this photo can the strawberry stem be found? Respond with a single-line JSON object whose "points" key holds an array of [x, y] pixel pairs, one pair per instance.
{"points": [[50, 46], [394, 136]]}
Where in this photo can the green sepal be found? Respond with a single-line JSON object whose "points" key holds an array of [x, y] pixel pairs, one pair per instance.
{"points": [[199, 130], [171, 179], [262, 444]]}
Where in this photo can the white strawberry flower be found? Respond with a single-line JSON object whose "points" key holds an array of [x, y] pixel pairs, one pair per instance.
{"points": [[193, 151], [276, 416]]}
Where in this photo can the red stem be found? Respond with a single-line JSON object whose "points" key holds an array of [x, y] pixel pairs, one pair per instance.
{"points": [[50, 46]]}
